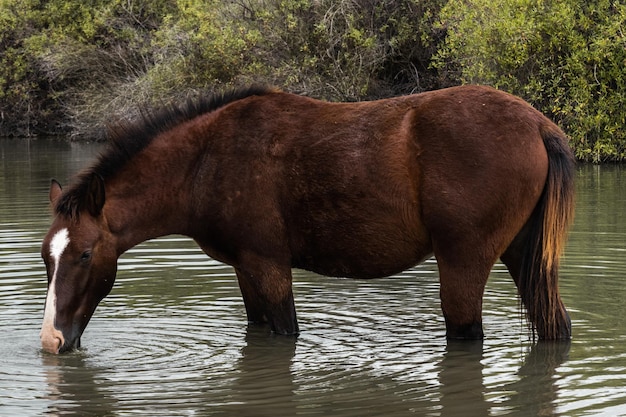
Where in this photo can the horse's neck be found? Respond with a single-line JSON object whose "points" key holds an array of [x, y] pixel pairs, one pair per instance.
{"points": [[133, 224], [146, 205]]}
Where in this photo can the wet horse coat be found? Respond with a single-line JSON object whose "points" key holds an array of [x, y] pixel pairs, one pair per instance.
{"points": [[267, 181]]}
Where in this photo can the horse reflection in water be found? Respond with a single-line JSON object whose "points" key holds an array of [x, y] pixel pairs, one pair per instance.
{"points": [[534, 393], [268, 181]]}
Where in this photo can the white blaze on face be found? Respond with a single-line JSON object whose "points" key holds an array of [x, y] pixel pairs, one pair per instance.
{"points": [[51, 338]]}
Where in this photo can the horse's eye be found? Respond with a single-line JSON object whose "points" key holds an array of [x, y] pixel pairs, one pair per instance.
{"points": [[86, 256]]}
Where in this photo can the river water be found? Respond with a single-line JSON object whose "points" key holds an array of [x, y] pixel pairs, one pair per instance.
{"points": [[171, 339]]}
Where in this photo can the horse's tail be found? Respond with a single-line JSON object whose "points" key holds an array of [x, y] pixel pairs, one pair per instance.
{"points": [[550, 221]]}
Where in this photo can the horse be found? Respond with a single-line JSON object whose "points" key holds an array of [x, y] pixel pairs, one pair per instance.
{"points": [[266, 181]]}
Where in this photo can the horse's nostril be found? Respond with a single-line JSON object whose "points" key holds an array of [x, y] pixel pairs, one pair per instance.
{"points": [[52, 345]]}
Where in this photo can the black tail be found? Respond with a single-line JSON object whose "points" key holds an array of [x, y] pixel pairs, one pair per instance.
{"points": [[548, 227]]}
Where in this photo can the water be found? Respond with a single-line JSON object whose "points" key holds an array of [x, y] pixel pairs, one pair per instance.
{"points": [[171, 339]]}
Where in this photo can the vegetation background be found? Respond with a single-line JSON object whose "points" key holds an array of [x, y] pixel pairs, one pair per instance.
{"points": [[69, 66]]}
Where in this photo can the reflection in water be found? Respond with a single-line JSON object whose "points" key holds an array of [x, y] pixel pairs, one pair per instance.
{"points": [[75, 388], [263, 383], [264, 386], [535, 394], [463, 391], [461, 378]]}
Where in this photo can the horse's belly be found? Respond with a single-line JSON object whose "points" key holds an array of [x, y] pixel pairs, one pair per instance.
{"points": [[363, 259]]}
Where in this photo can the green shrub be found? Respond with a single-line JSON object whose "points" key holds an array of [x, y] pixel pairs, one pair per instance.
{"points": [[19, 79], [111, 57], [68, 66], [57, 54], [565, 57]]}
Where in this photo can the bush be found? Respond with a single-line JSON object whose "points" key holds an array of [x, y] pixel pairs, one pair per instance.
{"points": [[21, 84], [566, 58], [338, 50], [68, 66], [78, 63], [57, 54]]}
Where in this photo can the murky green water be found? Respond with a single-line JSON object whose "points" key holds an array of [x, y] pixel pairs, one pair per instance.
{"points": [[171, 339]]}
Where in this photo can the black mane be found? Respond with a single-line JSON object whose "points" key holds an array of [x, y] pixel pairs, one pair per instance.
{"points": [[127, 139]]}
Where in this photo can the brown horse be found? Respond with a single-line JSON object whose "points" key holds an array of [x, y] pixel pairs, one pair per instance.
{"points": [[267, 181]]}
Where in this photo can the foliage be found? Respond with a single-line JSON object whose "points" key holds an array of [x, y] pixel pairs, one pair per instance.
{"points": [[18, 77], [68, 66], [565, 57], [80, 62], [58, 55]]}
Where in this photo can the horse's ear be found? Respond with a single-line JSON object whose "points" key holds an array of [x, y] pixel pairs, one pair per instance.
{"points": [[55, 190], [95, 196]]}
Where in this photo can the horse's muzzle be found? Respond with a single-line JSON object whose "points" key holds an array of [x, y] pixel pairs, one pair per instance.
{"points": [[53, 341]]}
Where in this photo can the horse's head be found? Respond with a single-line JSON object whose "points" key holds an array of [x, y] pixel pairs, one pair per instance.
{"points": [[81, 263]]}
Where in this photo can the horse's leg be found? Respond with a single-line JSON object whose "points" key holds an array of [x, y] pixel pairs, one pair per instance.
{"points": [[268, 297], [461, 301], [463, 275], [255, 309]]}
